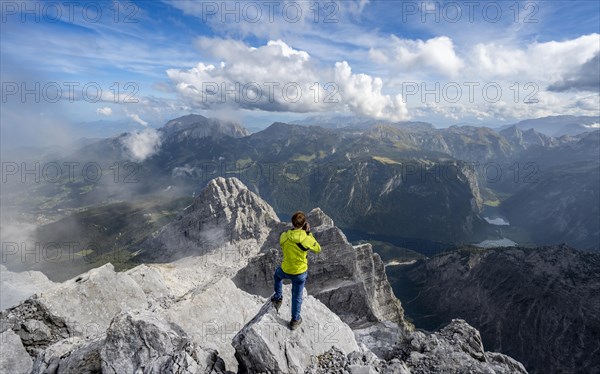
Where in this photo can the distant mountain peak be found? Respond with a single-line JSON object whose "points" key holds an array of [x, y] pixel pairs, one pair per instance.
{"points": [[224, 212], [198, 126], [558, 125], [230, 193], [187, 119]]}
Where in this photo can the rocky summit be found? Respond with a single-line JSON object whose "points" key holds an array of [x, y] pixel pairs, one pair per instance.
{"points": [[197, 303]]}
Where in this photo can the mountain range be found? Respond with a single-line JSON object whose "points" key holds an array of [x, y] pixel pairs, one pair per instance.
{"points": [[558, 126], [407, 179], [204, 313]]}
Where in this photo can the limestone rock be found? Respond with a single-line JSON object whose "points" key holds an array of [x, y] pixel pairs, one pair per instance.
{"points": [[89, 301], [35, 324], [70, 356], [335, 361], [195, 315], [82, 306], [13, 358], [226, 211], [18, 286], [318, 218], [456, 348], [213, 316], [266, 343], [379, 337], [139, 342], [351, 281]]}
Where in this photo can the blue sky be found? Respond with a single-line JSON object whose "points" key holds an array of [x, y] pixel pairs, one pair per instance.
{"points": [[492, 63]]}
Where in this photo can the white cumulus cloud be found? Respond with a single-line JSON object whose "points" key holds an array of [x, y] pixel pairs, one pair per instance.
{"points": [[277, 77], [362, 94], [537, 62], [435, 54]]}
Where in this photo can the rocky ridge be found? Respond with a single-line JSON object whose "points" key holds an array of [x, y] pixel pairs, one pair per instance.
{"points": [[519, 297], [192, 315], [17, 287]]}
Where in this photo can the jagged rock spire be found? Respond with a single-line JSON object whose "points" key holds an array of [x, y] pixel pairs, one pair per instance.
{"points": [[225, 211]]}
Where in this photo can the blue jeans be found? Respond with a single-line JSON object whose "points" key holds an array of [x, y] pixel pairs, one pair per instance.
{"points": [[298, 281]]}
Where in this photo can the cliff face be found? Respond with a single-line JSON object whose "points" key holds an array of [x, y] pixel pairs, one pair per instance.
{"points": [[193, 315], [538, 305]]}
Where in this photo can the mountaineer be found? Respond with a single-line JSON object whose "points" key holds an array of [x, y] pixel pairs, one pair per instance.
{"points": [[295, 244]]}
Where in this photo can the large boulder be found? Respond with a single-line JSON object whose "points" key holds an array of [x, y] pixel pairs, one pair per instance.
{"points": [[14, 358], [379, 337], [266, 343], [89, 301], [70, 356], [80, 307], [212, 316], [139, 342]]}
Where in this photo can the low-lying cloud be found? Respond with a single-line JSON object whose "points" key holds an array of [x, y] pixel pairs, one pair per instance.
{"points": [[142, 144]]}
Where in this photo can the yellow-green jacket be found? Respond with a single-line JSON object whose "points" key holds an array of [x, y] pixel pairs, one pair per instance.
{"points": [[295, 245]]}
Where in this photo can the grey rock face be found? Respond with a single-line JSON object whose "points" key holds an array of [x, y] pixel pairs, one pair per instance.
{"points": [[225, 212], [13, 357], [18, 286], [89, 302], [471, 176], [335, 361], [380, 337], [35, 324], [521, 139], [70, 356], [318, 218], [457, 348], [80, 307], [205, 303], [266, 343], [212, 316], [351, 281], [545, 313], [140, 342]]}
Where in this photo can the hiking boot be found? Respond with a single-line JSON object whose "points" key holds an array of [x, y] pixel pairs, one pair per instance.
{"points": [[277, 303], [295, 323]]}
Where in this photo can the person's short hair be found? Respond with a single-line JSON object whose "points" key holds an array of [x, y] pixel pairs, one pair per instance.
{"points": [[298, 219]]}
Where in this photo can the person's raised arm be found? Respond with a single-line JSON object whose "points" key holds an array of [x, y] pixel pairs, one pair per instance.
{"points": [[310, 242]]}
